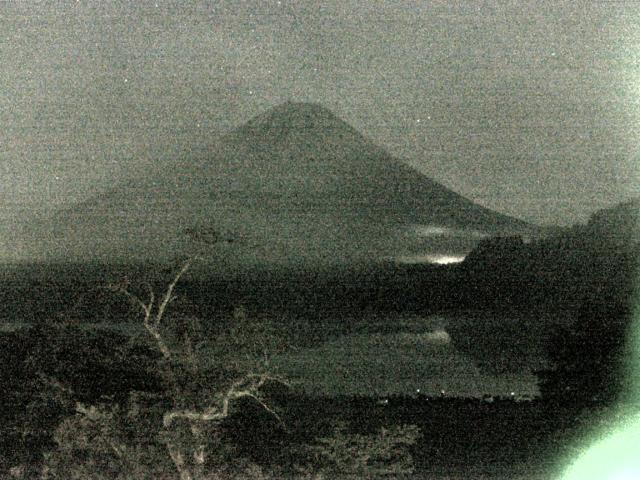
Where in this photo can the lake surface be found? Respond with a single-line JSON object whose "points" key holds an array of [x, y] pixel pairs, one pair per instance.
{"points": [[422, 360], [418, 357]]}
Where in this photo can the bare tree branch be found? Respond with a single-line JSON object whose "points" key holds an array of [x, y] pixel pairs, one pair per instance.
{"points": [[162, 346], [189, 460], [267, 408], [168, 294], [247, 386], [145, 307], [153, 325]]}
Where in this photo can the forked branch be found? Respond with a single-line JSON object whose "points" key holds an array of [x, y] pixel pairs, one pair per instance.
{"points": [[247, 386], [152, 322]]}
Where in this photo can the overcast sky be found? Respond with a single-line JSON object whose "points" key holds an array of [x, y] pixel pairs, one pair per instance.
{"points": [[531, 108]]}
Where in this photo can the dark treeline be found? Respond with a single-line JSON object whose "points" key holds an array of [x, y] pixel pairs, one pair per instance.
{"points": [[586, 275], [32, 292], [592, 263]]}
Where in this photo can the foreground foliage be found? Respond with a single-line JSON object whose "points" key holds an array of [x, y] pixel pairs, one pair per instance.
{"points": [[105, 405]]}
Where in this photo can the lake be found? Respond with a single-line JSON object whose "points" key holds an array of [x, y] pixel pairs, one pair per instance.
{"points": [[406, 354], [421, 358]]}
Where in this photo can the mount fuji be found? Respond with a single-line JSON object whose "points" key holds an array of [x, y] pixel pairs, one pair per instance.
{"points": [[294, 185]]}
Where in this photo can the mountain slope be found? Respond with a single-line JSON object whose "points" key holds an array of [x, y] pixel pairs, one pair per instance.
{"points": [[295, 184]]}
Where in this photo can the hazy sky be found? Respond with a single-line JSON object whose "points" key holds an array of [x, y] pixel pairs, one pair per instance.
{"points": [[531, 107]]}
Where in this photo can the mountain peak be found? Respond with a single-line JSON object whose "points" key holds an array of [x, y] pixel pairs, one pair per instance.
{"points": [[300, 130], [296, 116], [293, 110]]}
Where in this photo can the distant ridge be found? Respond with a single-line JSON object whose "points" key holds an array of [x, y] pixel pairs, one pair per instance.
{"points": [[295, 184]]}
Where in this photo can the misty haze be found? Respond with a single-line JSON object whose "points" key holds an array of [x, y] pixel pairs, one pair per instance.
{"points": [[316, 240]]}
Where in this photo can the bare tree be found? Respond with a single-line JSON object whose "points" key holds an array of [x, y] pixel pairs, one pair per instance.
{"points": [[214, 405]]}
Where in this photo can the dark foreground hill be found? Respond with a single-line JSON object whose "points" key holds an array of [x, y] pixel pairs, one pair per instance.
{"points": [[592, 263]]}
